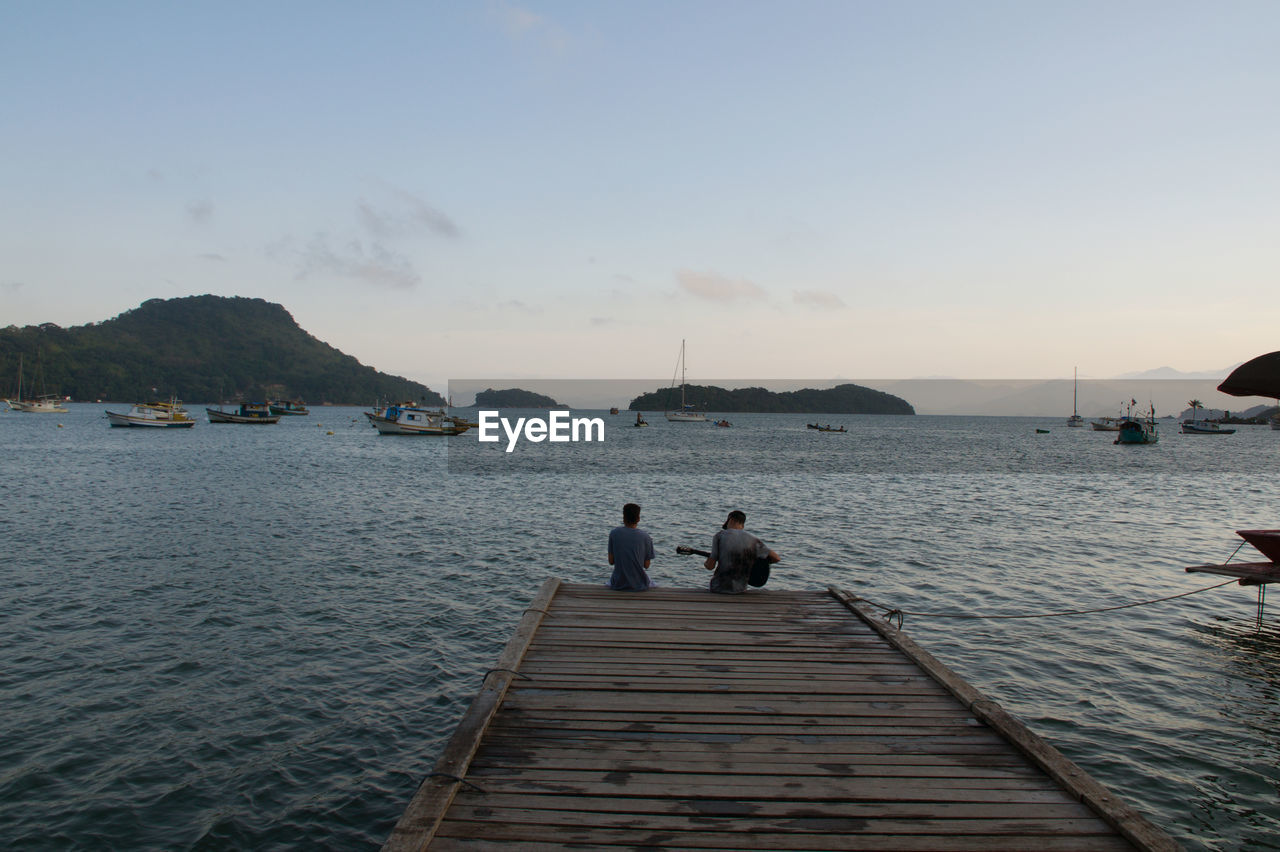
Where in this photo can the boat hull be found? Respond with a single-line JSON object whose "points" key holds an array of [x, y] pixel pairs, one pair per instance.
{"points": [[1191, 427], [686, 417], [216, 416], [147, 422]]}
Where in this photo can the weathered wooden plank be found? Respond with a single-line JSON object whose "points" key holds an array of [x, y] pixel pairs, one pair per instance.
{"points": [[676, 724], [647, 838], [774, 809], [741, 823], [847, 843], [672, 764], [777, 703], [497, 749], [979, 742], [719, 785]]}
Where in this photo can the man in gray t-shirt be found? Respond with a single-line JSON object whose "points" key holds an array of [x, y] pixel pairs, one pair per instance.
{"points": [[630, 552], [733, 552]]}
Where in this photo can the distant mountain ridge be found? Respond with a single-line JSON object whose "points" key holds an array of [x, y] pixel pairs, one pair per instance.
{"points": [[200, 349]]}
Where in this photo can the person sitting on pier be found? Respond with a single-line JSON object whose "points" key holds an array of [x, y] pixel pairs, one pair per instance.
{"points": [[734, 552], [630, 552]]}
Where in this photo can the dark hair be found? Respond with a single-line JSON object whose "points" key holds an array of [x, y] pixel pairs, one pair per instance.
{"points": [[631, 513], [735, 515]]}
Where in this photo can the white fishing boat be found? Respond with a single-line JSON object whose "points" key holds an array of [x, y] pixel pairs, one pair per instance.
{"points": [[163, 415], [1075, 420], [1204, 427], [1105, 424], [411, 420], [45, 403], [685, 414]]}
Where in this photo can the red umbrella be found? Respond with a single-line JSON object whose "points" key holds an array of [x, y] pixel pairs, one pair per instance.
{"points": [[1258, 377]]}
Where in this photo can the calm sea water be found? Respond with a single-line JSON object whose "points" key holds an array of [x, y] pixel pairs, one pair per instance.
{"points": [[235, 637]]}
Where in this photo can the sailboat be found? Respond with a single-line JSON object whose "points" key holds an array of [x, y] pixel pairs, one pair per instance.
{"points": [[1075, 419], [44, 404], [686, 414]]}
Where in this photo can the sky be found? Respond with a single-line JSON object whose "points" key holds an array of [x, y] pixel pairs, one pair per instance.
{"points": [[855, 189]]}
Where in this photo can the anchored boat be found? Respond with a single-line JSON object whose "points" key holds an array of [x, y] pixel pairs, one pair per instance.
{"points": [[46, 403], [1204, 427], [1138, 429], [246, 412], [288, 407], [411, 420], [156, 415], [686, 414]]}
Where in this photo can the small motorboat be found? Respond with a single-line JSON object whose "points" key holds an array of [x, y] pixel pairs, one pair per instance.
{"points": [[827, 428], [246, 412], [1204, 427], [289, 407], [164, 415], [411, 420]]}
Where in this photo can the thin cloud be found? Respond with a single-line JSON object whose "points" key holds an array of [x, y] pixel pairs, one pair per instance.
{"points": [[716, 287], [200, 212], [372, 264], [523, 25], [818, 299], [405, 214], [11, 286], [213, 256], [520, 307], [600, 321]]}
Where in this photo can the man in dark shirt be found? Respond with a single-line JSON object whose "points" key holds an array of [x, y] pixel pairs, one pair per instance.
{"points": [[733, 553], [630, 552]]}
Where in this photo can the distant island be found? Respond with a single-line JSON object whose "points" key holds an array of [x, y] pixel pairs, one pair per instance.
{"points": [[841, 399], [515, 398], [199, 348]]}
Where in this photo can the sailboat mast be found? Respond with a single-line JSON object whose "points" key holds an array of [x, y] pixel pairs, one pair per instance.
{"points": [[682, 374]]}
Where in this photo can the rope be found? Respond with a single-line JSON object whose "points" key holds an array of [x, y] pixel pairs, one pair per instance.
{"points": [[455, 779], [891, 613], [509, 671]]}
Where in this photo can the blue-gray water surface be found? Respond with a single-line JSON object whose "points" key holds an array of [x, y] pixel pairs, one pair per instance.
{"points": [[261, 637]]}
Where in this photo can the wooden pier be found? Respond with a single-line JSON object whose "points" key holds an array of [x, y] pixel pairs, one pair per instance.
{"points": [[679, 719]]}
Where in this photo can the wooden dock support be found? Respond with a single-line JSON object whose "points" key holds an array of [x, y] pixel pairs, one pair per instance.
{"points": [[676, 718]]}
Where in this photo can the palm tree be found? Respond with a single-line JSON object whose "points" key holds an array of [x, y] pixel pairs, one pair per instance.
{"points": [[1195, 407]]}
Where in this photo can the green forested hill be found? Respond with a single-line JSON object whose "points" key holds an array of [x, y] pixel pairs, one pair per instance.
{"points": [[198, 348], [515, 398], [841, 399]]}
